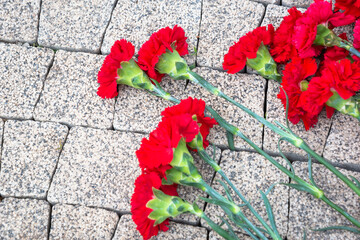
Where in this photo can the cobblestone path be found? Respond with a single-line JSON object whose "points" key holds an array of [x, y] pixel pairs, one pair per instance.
{"points": [[68, 165]]}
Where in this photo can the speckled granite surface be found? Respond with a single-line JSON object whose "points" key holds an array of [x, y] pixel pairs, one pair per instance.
{"points": [[67, 157], [29, 157]]}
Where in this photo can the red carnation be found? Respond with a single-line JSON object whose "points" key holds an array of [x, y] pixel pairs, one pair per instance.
{"points": [[150, 51], [156, 153], [143, 193], [121, 51], [342, 77], [294, 73], [246, 48], [320, 12], [357, 35], [336, 53], [193, 107], [282, 47], [350, 7]]}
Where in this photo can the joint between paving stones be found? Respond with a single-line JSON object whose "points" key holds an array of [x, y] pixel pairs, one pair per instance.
{"points": [[107, 25], [49, 222], [117, 225], [263, 15], [199, 34], [38, 25], [265, 110]]}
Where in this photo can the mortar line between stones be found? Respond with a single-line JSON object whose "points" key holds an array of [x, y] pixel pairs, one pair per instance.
{"points": [[49, 222], [43, 83], [265, 110], [199, 33], [57, 162], [2, 142], [327, 136], [288, 215], [107, 25], [38, 25], [263, 15], [116, 227]]}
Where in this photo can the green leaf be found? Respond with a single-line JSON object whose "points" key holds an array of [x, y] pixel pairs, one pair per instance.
{"points": [[304, 236], [303, 188], [346, 228], [270, 214], [357, 182], [231, 230], [227, 190], [287, 111], [310, 171], [230, 138], [217, 202], [284, 157]]}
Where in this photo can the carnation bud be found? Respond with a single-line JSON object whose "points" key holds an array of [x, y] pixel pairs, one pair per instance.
{"points": [[173, 64], [326, 37], [264, 64], [132, 75], [165, 206], [349, 106]]}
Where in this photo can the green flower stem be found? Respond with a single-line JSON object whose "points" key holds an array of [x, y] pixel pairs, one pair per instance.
{"points": [[341, 211], [329, 166], [204, 155], [348, 46], [290, 137], [235, 210], [216, 227]]}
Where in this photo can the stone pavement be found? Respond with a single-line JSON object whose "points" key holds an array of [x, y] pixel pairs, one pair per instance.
{"points": [[68, 157]]}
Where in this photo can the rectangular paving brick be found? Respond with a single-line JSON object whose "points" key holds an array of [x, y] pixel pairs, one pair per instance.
{"points": [[315, 137], [342, 145], [22, 73], [251, 172], [19, 20], [308, 213], [29, 157], [138, 110], [297, 3], [244, 88], [126, 229], [137, 20], [25, 219], [73, 24], [79, 222], [223, 23], [96, 168], [69, 94]]}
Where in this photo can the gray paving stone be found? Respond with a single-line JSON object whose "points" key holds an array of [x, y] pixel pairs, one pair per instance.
{"points": [[307, 213], [297, 3], [342, 145], [214, 236], [75, 25], [274, 15], [315, 137], [223, 23], [24, 219], [96, 168], [69, 94], [137, 20], [246, 89], [137, 110], [267, 1], [126, 229], [192, 194], [251, 172], [22, 73], [19, 20], [30, 153], [79, 222]]}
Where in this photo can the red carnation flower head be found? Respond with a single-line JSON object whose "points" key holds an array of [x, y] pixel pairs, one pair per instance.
{"points": [[338, 82], [166, 39], [282, 48], [157, 152], [122, 50], [120, 68], [143, 193], [295, 85], [251, 50], [350, 7], [196, 108], [357, 35], [336, 53], [319, 16]]}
